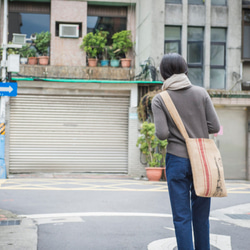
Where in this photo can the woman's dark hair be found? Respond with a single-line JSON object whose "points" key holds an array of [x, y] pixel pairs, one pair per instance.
{"points": [[171, 64]]}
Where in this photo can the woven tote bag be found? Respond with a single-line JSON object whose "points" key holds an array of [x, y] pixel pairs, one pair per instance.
{"points": [[204, 156]]}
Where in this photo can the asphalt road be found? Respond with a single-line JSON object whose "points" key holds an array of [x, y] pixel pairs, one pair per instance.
{"points": [[110, 214]]}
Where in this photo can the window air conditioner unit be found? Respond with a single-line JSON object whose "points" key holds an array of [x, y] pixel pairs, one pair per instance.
{"points": [[69, 30]]}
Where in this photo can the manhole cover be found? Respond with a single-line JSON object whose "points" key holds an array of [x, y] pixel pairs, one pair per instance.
{"points": [[239, 216]]}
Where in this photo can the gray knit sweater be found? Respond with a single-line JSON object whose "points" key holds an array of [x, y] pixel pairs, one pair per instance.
{"points": [[196, 111]]}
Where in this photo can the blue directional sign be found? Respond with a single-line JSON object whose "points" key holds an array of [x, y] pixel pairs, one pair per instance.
{"points": [[8, 89]]}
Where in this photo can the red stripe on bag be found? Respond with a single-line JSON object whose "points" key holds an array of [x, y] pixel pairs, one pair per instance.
{"points": [[202, 163], [205, 163]]}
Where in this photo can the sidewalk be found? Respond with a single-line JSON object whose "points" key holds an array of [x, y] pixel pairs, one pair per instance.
{"points": [[17, 233]]}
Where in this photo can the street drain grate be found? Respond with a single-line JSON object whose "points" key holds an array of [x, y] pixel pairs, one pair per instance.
{"points": [[10, 222], [239, 216]]}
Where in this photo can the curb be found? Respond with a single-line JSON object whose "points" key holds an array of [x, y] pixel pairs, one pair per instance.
{"points": [[17, 233]]}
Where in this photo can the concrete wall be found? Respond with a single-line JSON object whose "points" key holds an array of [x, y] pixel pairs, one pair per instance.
{"points": [[208, 16], [66, 51], [149, 30], [135, 168], [77, 72], [232, 141], [233, 42], [197, 15]]}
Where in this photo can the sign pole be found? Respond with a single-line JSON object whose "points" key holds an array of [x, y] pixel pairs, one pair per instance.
{"points": [[4, 45], [4, 99]]}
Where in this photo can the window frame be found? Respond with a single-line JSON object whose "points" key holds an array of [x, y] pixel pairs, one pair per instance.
{"points": [[201, 3], [224, 43], [224, 63], [173, 40], [219, 4], [174, 2], [244, 23], [197, 65]]}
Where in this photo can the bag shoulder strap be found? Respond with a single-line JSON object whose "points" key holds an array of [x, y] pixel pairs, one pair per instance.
{"points": [[174, 113]]}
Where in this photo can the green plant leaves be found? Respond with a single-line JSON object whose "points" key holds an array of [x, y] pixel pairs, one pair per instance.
{"points": [[93, 44], [42, 42], [153, 148], [122, 41]]}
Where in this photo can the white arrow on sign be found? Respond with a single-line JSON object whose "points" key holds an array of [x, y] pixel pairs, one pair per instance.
{"points": [[6, 89], [222, 242]]}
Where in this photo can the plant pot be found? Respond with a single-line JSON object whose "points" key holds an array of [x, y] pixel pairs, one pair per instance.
{"points": [[125, 62], [23, 60], [154, 174], [104, 63], [32, 60], [115, 63], [92, 62], [43, 60]]}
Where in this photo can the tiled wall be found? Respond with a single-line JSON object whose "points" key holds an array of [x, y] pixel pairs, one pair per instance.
{"points": [[66, 51]]}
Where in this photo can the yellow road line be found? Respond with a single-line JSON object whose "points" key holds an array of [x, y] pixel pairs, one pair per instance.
{"points": [[100, 185]]}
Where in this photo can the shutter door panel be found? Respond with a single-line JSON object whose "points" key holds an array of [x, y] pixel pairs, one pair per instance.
{"points": [[68, 134]]}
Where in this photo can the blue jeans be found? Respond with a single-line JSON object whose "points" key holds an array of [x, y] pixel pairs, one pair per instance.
{"points": [[187, 207]]}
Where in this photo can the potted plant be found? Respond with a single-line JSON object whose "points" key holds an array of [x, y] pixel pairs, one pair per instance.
{"points": [[93, 45], [32, 59], [24, 53], [42, 46], [122, 42], [105, 53], [114, 57], [154, 151]]}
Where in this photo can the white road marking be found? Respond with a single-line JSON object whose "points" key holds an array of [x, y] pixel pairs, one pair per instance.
{"points": [[57, 220], [94, 214], [76, 217], [221, 214], [222, 242], [97, 214], [169, 228], [163, 244]]}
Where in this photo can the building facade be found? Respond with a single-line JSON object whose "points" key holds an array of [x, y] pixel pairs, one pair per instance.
{"points": [[85, 119]]}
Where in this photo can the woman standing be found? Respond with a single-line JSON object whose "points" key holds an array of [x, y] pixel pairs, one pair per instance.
{"points": [[199, 118]]}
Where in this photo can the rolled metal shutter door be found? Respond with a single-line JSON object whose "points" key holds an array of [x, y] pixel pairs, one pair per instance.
{"points": [[68, 134]]}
